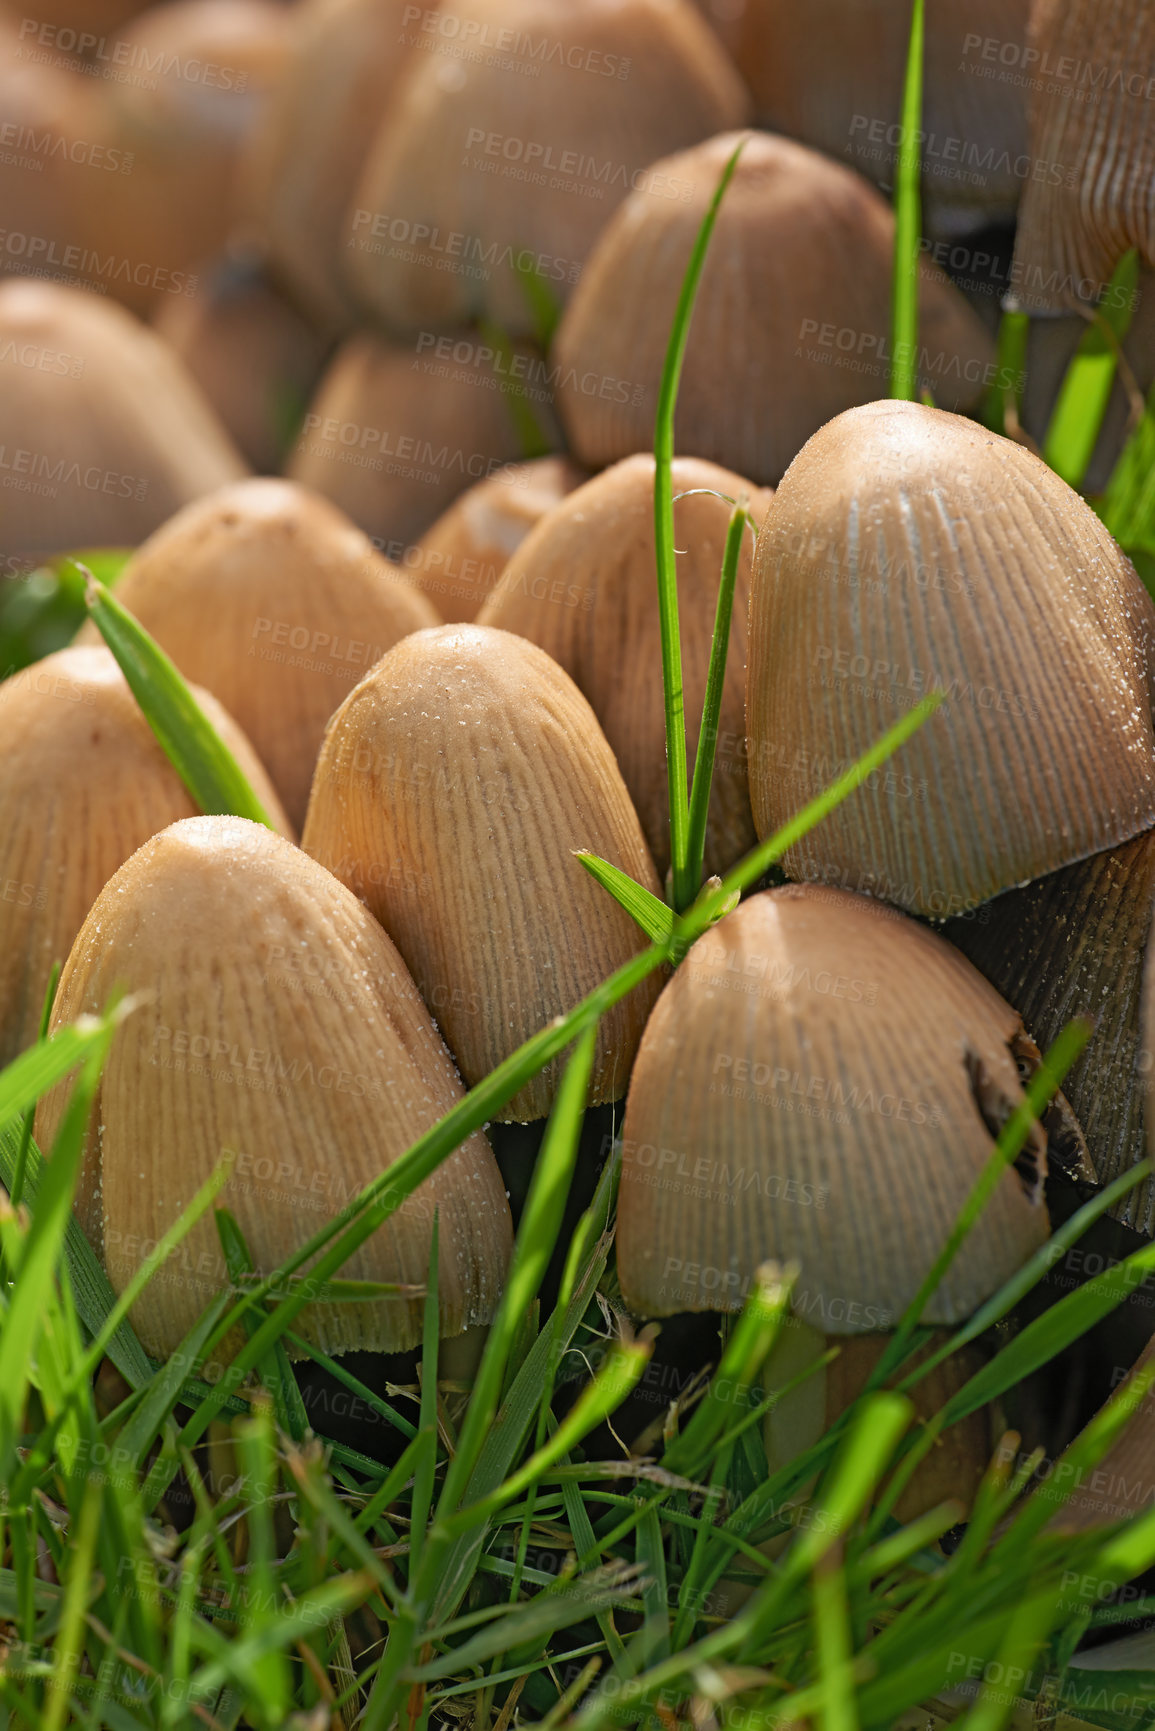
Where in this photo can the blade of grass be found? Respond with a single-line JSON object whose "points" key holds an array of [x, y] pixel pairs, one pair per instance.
{"points": [[1086, 389], [189, 740], [16, 1188], [684, 890], [1004, 398], [652, 915], [426, 1466], [703, 776], [908, 222]]}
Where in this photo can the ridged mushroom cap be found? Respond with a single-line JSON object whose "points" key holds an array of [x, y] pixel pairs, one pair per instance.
{"points": [[393, 435], [271, 598], [458, 561], [198, 75], [791, 323], [279, 1023], [830, 74], [343, 59], [1073, 943], [103, 433], [251, 353], [583, 586], [821, 1082], [908, 550], [83, 783], [519, 149], [454, 785], [1092, 139]]}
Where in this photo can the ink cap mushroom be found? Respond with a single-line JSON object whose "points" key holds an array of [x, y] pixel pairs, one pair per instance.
{"points": [[909, 550], [821, 1082], [278, 1027], [791, 323], [453, 788], [269, 596], [582, 586], [83, 784]]}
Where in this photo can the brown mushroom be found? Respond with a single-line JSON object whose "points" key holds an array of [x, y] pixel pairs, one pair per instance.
{"points": [[458, 561], [83, 783], [1089, 198], [344, 57], [195, 77], [1073, 944], [831, 74], [102, 433], [792, 320], [821, 1083], [271, 598], [454, 786], [251, 353], [509, 141], [393, 434], [583, 585], [278, 1025], [909, 550]]}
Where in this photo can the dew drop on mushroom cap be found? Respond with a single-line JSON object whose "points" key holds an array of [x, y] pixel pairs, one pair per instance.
{"points": [[271, 598], [83, 783], [582, 587], [909, 550], [491, 164], [278, 1023], [452, 789], [792, 320]]}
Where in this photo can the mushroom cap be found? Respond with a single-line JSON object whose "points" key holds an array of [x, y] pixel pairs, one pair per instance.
{"points": [[104, 435], [490, 156], [1119, 1487], [819, 1083], [583, 587], [393, 435], [269, 596], [908, 550], [458, 561], [791, 323], [198, 74], [83, 782], [343, 60], [1092, 133], [251, 353], [453, 787], [278, 1022], [830, 74], [1073, 943]]}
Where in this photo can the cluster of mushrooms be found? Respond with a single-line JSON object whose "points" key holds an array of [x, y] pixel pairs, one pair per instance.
{"points": [[427, 626]]}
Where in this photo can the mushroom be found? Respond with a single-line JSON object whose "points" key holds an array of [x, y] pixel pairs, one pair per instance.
{"points": [[1123, 1484], [1092, 142], [1073, 943], [277, 1025], [343, 60], [196, 76], [831, 76], [792, 319], [510, 140], [83, 782], [909, 550], [583, 586], [102, 433], [394, 434], [271, 598], [821, 1082], [458, 561], [453, 787], [252, 354]]}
